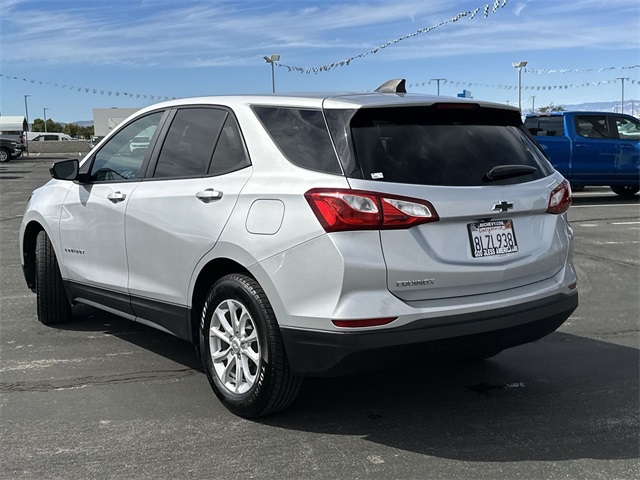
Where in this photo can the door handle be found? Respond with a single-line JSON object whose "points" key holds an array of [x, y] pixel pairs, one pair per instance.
{"points": [[116, 197], [208, 195]]}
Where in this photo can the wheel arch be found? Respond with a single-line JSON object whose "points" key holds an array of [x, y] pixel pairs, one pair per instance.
{"points": [[31, 231], [209, 274]]}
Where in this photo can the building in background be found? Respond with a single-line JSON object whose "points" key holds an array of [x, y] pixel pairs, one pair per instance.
{"points": [[105, 119]]}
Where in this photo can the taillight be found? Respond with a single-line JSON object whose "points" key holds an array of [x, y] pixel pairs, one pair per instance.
{"points": [[340, 210], [560, 199]]}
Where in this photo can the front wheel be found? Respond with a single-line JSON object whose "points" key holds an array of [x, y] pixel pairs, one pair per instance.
{"points": [[53, 304], [626, 191], [5, 155], [242, 349]]}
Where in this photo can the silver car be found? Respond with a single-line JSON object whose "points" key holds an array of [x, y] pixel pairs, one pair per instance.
{"points": [[306, 235]]}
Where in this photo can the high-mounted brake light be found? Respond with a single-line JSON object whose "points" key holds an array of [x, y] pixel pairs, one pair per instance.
{"points": [[456, 106], [341, 210], [560, 199]]}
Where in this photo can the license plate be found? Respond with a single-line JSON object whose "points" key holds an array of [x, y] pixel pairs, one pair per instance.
{"points": [[492, 238]]}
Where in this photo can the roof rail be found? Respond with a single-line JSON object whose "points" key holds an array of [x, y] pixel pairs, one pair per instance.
{"points": [[393, 86]]}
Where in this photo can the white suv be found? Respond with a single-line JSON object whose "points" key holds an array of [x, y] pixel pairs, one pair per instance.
{"points": [[302, 235]]}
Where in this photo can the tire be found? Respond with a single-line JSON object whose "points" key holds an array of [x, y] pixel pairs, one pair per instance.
{"points": [[626, 191], [5, 155], [242, 349], [53, 304]]}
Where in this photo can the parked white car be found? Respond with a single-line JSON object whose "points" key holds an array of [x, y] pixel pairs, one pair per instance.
{"points": [[47, 137], [300, 235]]}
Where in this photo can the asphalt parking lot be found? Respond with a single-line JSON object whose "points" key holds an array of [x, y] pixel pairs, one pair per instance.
{"points": [[106, 398]]}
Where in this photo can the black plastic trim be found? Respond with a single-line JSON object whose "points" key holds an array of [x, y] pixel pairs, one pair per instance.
{"points": [[164, 316], [324, 353]]}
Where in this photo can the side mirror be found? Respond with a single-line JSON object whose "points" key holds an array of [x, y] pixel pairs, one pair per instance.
{"points": [[65, 169]]}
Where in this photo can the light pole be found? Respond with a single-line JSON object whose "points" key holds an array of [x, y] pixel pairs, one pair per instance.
{"points": [[272, 59], [45, 119], [519, 66], [533, 104], [26, 110], [438, 80], [622, 79]]}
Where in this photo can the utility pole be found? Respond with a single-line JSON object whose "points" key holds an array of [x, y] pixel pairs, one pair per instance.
{"points": [[437, 80]]}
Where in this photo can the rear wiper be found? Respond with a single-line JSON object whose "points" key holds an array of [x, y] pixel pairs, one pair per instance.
{"points": [[508, 171]]}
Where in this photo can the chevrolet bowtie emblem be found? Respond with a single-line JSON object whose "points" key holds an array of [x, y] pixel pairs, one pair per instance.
{"points": [[502, 206]]}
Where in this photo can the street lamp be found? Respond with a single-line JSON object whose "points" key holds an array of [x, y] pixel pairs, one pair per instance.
{"points": [[519, 66], [272, 59], [438, 80], [26, 110], [45, 119]]}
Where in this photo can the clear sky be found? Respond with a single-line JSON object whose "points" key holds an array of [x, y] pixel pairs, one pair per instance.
{"points": [[68, 55]]}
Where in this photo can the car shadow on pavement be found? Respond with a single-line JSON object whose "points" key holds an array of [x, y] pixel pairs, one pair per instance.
{"points": [[564, 397], [561, 398], [90, 319]]}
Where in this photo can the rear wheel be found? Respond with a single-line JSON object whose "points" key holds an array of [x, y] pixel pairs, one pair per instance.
{"points": [[625, 191], [52, 302], [242, 349]]}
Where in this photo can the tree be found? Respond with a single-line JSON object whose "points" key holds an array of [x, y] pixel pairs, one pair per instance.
{"points": [[71, 129], [551, 108], [38, 126]]}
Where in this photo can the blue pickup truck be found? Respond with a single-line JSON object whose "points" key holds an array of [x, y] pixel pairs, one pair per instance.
{"points": [[591, 148]]}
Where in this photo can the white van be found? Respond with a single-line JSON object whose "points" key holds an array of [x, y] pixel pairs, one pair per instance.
{"points": [[45, 137]]}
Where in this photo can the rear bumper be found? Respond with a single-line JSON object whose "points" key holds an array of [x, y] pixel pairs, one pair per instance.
{"points": [[321, 353]]}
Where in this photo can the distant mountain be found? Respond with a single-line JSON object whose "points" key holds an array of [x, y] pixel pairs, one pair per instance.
{"points": [[629, 106], [84, 123]]}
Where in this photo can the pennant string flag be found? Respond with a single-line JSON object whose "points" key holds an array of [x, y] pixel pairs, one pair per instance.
{"points": [[445, 81], [542, 71], [95, 91], [488, 8]]}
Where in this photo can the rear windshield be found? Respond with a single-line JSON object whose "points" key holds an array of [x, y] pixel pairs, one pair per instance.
{"points": [[436, 146]]}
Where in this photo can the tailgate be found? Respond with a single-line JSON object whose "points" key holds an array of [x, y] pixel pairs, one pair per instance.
{"points": [[488, 239]]}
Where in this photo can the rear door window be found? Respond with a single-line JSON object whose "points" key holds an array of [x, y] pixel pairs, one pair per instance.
{"points": [[230, 153], [447, 147], [188, 146], [552, 126]]}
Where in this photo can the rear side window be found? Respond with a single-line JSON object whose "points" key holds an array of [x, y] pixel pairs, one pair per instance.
{"points": [[431, 146], [302, 136], [545, 126], [188, 147]]}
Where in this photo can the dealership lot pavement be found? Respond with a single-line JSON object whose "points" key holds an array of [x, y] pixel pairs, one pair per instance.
{"points": [[106, 398]]}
